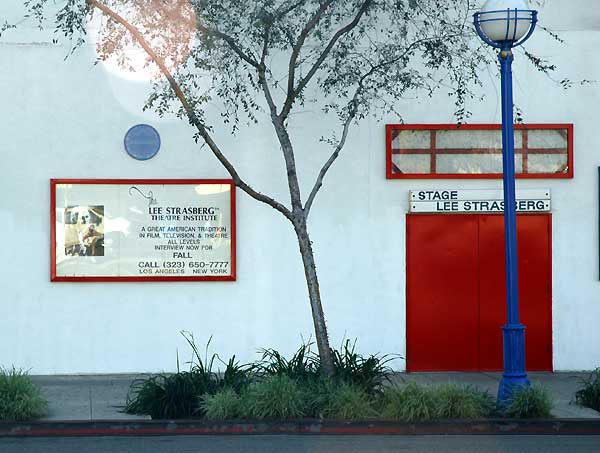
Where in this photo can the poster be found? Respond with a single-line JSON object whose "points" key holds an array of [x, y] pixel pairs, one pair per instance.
{"points": [[136, 230]]}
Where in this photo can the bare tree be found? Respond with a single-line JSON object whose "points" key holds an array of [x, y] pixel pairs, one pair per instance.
{"points": [[353, 58]]}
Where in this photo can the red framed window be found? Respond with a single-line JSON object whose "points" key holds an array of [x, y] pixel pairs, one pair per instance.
{"points": [[430, 151]]}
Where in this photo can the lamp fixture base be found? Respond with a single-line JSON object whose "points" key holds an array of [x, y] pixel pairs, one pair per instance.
{"points": [[514, 376], [506, 388]]}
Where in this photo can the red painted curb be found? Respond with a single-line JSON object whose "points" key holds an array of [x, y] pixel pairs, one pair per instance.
{"points": [[303, 427]]}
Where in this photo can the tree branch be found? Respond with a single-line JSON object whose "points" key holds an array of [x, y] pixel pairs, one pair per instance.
{"points": [[291, 97], [351, 115], [284, 139], [230, 42], [286, 146], [190, 111], [310, 25], [319, 182], [258, 65], [283, 11], [262, 73]]}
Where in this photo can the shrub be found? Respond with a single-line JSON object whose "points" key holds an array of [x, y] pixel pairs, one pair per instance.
{"points": [[20, 399], [179, 395], [589, 395], [454, 401], [349, 367], [317, 394], [349, 402], [235, 376], [276, 396], [223, 405], [420, 403], [367, 373], [302, 367], [301, 390], [529, 402], [168, 396], [409, 403]]}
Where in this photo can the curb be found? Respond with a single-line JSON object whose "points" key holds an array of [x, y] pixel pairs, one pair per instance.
{"points": [[298, 427]]}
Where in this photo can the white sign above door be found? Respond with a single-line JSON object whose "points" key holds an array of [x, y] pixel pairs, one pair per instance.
{"points": [[476, 200]]}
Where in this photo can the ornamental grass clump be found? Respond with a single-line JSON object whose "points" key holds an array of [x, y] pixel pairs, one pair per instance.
{"points": [[462, 402], [272, 387], [349, 402], [317, 394], [223, 405], [179, 395], [274, 397], [529, 402], [166, 396], [409, 403], [367, 373], [303, 366], [20, 398], [450, 401], [589, 394]]}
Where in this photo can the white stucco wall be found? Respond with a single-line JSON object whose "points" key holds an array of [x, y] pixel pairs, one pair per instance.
{"points": [[67, 120]]}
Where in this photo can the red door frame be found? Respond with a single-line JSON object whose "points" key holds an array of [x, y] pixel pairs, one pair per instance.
{"points": [[407, 288]]}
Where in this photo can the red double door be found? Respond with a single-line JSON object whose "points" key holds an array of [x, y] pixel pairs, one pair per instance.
{"points": [[456, 296]]}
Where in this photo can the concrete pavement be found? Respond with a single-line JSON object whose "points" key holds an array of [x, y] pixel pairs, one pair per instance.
{"points": [[102, 397], [87, 397]]}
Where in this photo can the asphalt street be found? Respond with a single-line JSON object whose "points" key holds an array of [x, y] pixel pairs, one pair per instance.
{"points": [[304, 444]]}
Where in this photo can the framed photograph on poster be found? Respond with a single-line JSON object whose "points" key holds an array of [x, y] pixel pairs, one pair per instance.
{"points": [[142, 230]]}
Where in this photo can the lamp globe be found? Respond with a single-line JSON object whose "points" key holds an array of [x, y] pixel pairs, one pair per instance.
{"points": [[505, 20]]}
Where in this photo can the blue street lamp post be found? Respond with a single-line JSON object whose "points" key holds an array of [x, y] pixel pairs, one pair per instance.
{"points": [[503, 25]]}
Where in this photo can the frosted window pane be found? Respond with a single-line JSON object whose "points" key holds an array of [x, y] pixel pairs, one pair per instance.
{"points": [[474, 163], [547, 163], [412, 163], [547, 138], [412, 140], [465, 139]]}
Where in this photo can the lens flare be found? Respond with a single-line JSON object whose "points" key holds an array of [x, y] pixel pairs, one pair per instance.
{"points": [[169, 28]]}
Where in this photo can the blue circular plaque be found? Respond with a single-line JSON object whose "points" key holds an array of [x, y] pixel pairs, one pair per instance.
{"points": [[142, 142]]}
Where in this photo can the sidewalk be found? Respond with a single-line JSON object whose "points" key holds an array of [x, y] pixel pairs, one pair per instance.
{"points": [[93, 406], [562, 386], [87, 397], [102, 397]]}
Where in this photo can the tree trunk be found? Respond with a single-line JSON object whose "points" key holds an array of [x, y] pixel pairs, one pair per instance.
{"points": [[314, 294]]}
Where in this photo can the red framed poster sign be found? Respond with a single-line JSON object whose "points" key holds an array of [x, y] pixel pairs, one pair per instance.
{"points": [[142, 230], [448, 151]]}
